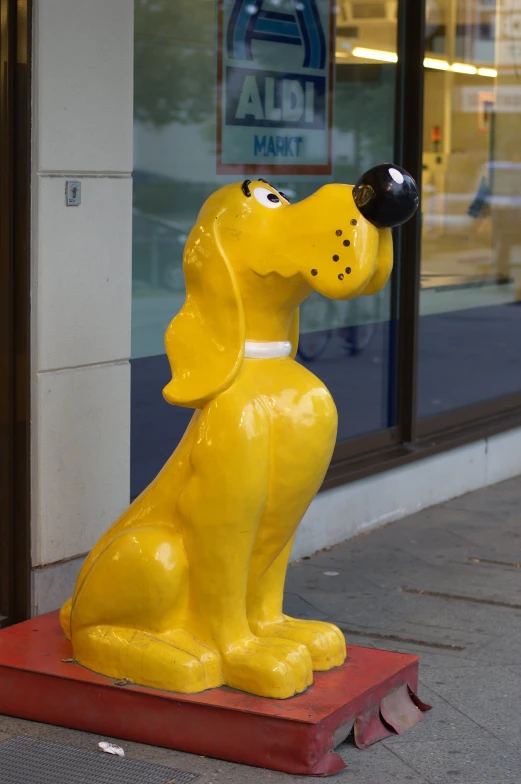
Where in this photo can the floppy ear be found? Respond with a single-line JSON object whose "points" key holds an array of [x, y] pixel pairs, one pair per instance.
{"points": [[384, 263], [205, 341], [294, 332]]}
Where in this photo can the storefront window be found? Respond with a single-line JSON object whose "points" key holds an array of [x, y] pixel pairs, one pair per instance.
{"points": [[470, 303], [185, 52]]}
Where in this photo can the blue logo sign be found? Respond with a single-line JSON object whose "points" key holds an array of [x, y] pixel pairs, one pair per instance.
{"points": [[249, 22], [274, 99], [276, 72]]}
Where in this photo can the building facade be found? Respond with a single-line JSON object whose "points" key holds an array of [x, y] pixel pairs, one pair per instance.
{"points": [[119, 118]]}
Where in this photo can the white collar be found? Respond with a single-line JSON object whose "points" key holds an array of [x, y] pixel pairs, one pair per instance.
{"points": [[255, 349]]}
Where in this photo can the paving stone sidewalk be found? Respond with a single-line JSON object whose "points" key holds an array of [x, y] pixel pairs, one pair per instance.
{"points": [[445, 584]]}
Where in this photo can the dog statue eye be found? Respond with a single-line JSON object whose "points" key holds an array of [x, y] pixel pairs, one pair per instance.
{"points": [[267, 198]]}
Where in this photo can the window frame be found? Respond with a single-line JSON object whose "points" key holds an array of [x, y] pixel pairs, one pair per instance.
{"points": [[15, 140]]}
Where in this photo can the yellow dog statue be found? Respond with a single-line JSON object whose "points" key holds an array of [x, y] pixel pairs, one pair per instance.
{"points": [[184, 592]]}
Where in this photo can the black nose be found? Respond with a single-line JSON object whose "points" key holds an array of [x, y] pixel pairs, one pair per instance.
{"points": [[387, 196]]}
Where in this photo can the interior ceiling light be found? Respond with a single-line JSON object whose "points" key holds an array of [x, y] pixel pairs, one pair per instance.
{"points": [[439, 65], [375, 54], [487, 72], [429, 62], [464, 68]]}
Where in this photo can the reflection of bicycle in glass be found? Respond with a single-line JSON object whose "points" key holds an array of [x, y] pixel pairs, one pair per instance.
{"points": [[322, 318]]}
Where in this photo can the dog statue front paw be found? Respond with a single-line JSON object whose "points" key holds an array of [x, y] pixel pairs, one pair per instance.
{"points": [[268, 667], [324, 641]]}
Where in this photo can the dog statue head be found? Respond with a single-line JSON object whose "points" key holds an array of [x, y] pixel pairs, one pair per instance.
{"points": [[252, 258]]}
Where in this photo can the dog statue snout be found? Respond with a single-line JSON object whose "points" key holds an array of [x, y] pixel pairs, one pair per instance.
{"points": [[386, 195]]}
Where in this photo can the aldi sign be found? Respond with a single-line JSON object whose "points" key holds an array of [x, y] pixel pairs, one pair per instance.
{"points": [[275, 86]]}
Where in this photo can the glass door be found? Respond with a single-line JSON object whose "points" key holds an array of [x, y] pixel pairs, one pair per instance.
{"points": [[470, 301]]}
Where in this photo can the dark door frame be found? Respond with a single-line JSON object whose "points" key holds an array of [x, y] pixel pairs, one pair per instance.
{"points": [[15, 140]]}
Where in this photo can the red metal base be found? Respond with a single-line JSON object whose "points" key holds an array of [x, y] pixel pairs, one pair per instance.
{"points": [[374, 691]]}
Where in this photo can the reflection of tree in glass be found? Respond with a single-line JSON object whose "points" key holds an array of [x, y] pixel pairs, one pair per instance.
{"points": [[377, 142], [365, 106], [174, 62]]}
